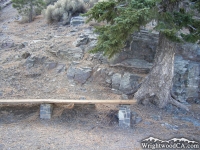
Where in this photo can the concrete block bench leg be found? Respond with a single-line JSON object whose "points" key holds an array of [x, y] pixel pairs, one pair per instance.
{"points": [[46, 111], [124, 115]]}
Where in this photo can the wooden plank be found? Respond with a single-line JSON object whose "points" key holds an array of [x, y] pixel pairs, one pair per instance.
{"points": [[62, 101]]}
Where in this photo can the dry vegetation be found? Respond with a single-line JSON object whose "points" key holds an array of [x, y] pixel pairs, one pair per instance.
{"points": [[62, 10]]}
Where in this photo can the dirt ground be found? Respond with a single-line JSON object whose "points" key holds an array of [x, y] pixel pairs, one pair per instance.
{"points": [[83, 127]]}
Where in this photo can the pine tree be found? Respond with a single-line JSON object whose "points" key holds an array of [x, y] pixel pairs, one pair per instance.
{"points": [[124, 17], [26, 7]]}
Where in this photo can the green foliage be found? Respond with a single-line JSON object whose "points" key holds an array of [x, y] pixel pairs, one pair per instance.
{"points": [[27, 7], [125, 17], [122, 22]]}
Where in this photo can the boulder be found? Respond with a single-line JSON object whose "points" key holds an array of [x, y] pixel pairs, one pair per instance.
{"points": [[82, 40], [129, 83], [76, 21], [116, 79], [7, 43], [79, 74], [138, 65], [33, 60], [71, 53], [60, 68], [50, 65]]}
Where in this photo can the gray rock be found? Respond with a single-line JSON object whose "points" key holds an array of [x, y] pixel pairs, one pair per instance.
{"points": [[32, 60], [26, 55], [156, 118], [129, 83], [169, 126], [78, 74], [8, 43], [82, 40], [71, 71], [99, 56], [116, 78], [20, 46], [33, 74], [60, 68], [71, 53], [186, 79], [76, 21], [50, 65], [108, 80], [139, 65], [25, 43], [82, 74], [138, 120], [91, 45], [147, 123], [135, 118], [189, 51]]}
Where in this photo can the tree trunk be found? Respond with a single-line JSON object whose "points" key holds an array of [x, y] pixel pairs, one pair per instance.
{"points": [[31, 12], [157, 85]]}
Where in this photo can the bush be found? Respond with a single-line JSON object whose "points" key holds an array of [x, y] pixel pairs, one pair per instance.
{"points": [[62, 10]]}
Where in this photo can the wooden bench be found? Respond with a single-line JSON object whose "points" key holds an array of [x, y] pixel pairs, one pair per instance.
{"points": [[46, 107]]}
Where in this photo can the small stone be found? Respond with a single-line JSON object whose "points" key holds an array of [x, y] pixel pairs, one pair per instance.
{"points": [[51, 65], [21, 46], [116, 78], [138, 120], [80, 75], [156, 118], [147, 123], [82, 40], [76, 21], [169, 126], [60, 68], [26, 55]]}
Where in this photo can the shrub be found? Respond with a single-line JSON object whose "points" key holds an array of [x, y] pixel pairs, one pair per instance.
{"points": [[62, 10]]}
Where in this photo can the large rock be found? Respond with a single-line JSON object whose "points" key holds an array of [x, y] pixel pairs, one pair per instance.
{"points": [[79, 74], [33, 60], [70, 53], [76, 21], [138, 65], [8, 43], [116, 79], [186, 79], [82, 40], [129, 83]]}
